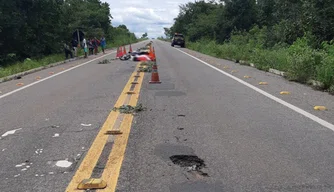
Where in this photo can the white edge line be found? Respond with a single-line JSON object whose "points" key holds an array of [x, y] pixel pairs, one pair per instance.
{"points": [[34, 83], [298, 110]]}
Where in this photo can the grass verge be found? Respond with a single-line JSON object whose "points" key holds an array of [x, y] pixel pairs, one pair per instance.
{"points": [[300, 62]]}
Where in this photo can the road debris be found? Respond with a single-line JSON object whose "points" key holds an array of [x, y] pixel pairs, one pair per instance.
{"points": [[128, 109], [20, 165], [39, 151], [320, 108], [285, 93], [146, 66], [145, 69], [86, 125], [10, 132], [105, 61], [63, 163]]}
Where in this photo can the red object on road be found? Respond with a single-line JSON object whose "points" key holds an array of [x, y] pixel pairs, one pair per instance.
{"points": [[119, 53], [124, 50], [155, 75]]}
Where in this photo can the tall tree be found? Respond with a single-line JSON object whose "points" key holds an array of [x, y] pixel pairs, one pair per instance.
{"points": [[34, 28], [167, 32]]}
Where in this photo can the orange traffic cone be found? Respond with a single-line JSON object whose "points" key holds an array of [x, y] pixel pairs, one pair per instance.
{"points": [[154, 54], [155, 75], [151, 55], [130, 49], [119, 53], [124, 50]]}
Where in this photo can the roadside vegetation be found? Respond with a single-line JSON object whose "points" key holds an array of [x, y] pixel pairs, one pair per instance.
{"points": [[292, 36], [35, 31]]}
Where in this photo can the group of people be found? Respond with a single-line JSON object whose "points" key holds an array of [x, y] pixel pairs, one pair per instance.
{"points": [[90, 47]]}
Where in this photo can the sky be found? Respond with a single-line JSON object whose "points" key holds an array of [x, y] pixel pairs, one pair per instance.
{"points": [[142, 16]]}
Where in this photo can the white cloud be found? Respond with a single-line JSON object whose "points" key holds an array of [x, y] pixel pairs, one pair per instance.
{"points": [[142, 16]]}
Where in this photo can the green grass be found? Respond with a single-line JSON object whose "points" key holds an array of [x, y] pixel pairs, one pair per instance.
{"points": [[29, 64], [300, 62]]}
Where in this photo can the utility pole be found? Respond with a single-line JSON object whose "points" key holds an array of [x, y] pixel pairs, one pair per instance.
{"points": [[78, 38]]}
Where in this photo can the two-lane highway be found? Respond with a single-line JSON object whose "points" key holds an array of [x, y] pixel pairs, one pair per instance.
{"points": [[203, 130]]}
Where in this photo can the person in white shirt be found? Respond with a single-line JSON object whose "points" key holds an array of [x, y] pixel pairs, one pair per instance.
{"points": [[84, 43]]}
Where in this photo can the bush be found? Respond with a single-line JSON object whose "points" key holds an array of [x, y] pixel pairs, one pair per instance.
{"points": [[303, 61], [300, 61]]}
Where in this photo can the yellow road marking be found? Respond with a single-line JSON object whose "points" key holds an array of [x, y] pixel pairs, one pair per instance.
{"points": [[89, 162], [114, 164]]}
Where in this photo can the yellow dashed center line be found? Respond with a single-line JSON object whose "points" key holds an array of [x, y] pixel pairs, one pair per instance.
{"points": [[113, 166]]}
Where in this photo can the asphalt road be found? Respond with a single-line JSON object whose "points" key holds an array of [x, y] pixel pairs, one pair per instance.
{"points": [[244, 136]]}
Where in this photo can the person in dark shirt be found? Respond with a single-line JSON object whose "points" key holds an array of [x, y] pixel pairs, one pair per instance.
{"points": [[90, 46], [75, 46], [67, 50], [96, 44]]}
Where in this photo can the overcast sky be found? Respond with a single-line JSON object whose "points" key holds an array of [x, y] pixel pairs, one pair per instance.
{"points": [[142, 16]]}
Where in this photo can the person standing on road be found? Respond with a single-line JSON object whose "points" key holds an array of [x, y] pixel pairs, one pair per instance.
{"points": [[103, 43], [67, 51], [96, 44], [75, 46], [84, 45], [90, 46]]}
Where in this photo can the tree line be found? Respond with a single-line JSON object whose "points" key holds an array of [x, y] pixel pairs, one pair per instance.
{"points": [[36, 28], [284, 20], [294, 36]]}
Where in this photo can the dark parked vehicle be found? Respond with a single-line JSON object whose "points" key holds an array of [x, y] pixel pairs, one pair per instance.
{"points": [[178, 39]]}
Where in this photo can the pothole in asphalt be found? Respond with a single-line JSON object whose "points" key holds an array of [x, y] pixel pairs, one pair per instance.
{"points": [[187, 161], [190, 162]]}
